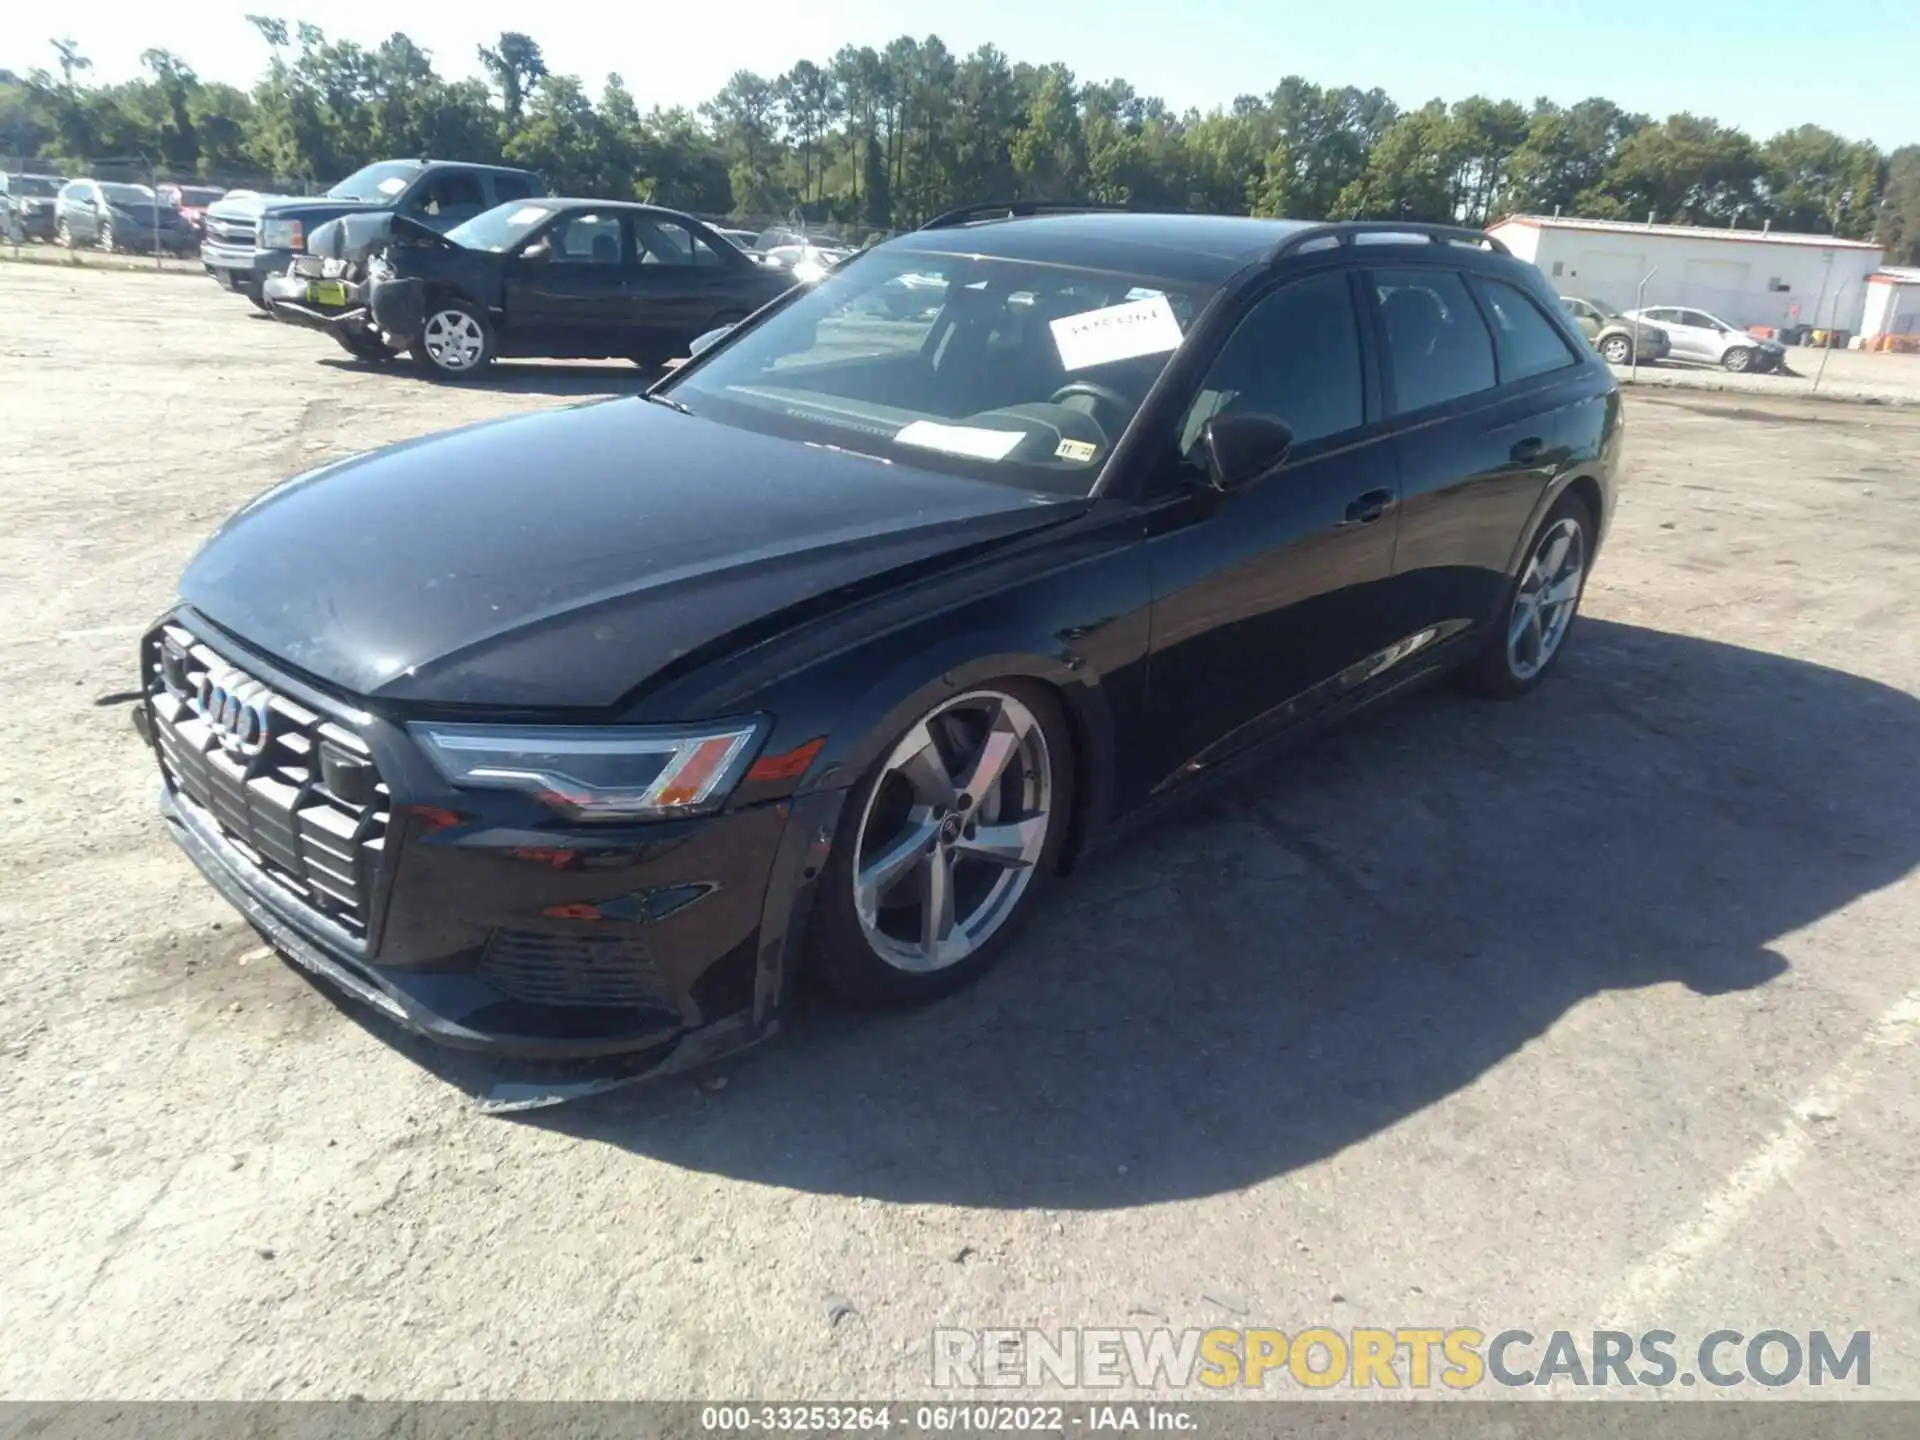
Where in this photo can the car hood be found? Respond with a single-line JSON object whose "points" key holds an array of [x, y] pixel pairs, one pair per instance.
{"points": [[252, 207], [354, 237], [147, 216], [560, 560]]}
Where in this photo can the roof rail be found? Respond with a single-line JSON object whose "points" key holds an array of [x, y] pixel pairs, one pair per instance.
{"points": [[1345, 232], [1012, 210]]}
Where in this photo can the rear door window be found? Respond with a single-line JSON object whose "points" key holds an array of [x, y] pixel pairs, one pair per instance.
{"points": [[455, 194], [1438, 348], [512, 187], [1527, 341]]}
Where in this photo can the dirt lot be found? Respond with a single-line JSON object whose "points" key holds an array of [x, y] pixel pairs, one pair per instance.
{"points": [[1598, 1007]]}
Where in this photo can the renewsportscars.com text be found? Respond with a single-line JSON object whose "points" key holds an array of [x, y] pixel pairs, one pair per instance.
{"points": [[1403, 1357]]}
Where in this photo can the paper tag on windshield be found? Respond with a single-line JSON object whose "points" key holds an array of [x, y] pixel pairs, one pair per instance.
{"points": [[1078, 451], [392, 185], [526, 215], [980, 443], [1119, 332]]}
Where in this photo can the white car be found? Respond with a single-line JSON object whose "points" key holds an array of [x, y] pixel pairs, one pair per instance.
{"points": [[1698, 338]]}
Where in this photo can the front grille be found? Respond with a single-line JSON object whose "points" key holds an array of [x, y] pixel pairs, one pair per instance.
{"points": [[237, 233], [267, 773], [555, 969]]}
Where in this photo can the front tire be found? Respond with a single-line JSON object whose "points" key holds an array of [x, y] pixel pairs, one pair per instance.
{"points": [[1616, 350], [456, 341], [1540, 606], [1739, 359], [945, 847], [370, 349]]}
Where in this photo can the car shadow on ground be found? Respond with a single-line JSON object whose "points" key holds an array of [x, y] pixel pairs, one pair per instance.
{"points": [[516, 377], [1353, 932]]}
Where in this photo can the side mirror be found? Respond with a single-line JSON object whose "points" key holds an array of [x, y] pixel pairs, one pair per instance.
{"points": [[703, 343], [1241, 447]]}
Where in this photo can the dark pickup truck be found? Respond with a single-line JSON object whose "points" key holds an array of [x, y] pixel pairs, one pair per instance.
{"points": [[251, 237], [555, 278]]}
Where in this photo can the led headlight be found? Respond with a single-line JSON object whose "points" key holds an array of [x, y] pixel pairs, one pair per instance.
{"points": [[281, 235], [598, 773]]}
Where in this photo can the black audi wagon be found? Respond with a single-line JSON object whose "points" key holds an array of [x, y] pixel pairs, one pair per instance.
{"points": [[592, 732]]}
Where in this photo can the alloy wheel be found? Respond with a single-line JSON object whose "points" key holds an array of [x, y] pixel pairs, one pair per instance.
{"points": [[106, 236], [952, 831], [1544, 603], [1616, 351], [453, 340], [1738, 359]]}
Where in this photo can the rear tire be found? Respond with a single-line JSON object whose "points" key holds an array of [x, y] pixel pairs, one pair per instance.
{"points": [[928, 882], [1541, 604], [63, 235], [455, 342], [105, 240]]}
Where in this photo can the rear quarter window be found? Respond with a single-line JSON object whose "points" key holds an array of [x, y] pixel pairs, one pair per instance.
{"points": [[1528, 342]]}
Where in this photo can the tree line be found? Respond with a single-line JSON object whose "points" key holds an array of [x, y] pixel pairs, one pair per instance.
{"points": [[883, 138]]}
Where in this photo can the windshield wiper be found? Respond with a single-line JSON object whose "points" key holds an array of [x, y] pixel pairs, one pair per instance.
{"points": [[666, 400]]}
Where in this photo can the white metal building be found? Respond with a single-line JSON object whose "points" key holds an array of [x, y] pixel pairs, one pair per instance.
{"points": [[1893, 302], [1745, 277]]}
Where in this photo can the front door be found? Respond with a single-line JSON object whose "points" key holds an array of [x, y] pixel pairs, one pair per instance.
{"points": [[563, 291], [1266, 599], [1694, 336]]}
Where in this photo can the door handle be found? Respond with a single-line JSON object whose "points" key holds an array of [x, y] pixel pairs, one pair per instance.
{"points": [[1529, 450], [1367, 508]]}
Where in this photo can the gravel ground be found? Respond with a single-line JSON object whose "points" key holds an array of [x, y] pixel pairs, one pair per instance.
{"points": [[1596, 1007]]}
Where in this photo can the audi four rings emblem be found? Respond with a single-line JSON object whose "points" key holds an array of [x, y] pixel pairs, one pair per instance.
{"points": [[236, 708]]}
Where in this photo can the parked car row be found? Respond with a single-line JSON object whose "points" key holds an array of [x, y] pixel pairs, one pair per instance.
{"points": [[458, 264], [1671, 332], [107, 214]]}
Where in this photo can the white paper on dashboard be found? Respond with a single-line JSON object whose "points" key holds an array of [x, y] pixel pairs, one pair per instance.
{"points": [[1118, 332], [980, 443]]}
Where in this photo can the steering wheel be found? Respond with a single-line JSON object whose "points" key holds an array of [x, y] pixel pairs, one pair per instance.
{"points": [[1104, 394]]}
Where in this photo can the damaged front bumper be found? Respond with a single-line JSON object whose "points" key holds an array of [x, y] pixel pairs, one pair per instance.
{"points": [[390, 310]]}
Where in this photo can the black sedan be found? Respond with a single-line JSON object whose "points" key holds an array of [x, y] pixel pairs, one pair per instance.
{"points": [[565, 279], [589, 733]]}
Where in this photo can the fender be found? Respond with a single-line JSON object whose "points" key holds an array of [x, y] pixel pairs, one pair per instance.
{"points": [[877, 719]]}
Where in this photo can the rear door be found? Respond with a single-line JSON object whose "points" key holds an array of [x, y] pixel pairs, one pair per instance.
{"points": [[563, 290], [1477, 378], [1265, 598], [678, 286]]}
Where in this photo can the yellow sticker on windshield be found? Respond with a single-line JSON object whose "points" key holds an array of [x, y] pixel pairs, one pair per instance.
{"points": [[1079, 451]]}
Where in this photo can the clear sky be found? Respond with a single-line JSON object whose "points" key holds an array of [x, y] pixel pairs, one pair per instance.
{"points": [[1760, 64]]}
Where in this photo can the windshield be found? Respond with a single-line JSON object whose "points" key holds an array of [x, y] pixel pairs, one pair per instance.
{"points": [[376, 182], [126, 194], [1003, 370], [500, 228], [33, 185]]}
